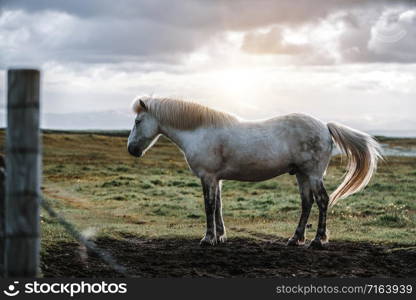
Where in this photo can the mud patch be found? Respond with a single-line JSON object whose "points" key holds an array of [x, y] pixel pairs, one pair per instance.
{"points": [[239, 257]]}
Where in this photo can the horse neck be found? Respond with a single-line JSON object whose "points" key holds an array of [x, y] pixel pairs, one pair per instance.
{"points": [[178, 136]]}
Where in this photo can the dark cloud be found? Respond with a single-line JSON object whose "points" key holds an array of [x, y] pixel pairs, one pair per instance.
{"points": [[383, 34], [271, 42], [98, 31], [54, 35], [390, 38], [230, 15]]}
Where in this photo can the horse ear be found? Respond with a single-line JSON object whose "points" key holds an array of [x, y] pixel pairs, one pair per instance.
{"points": [[143, 105]]}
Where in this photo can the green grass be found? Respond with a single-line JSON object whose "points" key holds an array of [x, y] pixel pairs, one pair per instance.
{"points": [[92, 180]]}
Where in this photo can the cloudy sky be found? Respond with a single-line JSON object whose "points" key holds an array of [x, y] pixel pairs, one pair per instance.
{"points": [[344, 60]]}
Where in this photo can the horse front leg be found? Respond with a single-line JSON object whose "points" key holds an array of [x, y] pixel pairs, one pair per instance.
{"points": [[210, 188], [219, 221], [307, 200]]}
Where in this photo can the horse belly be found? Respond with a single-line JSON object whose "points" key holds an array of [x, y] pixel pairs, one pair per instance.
{"points": [[255, 170]]}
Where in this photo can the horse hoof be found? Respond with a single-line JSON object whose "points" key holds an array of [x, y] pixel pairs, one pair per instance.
{"points": [[295, 242], [207, 241], [222, 239], [316, 244]]}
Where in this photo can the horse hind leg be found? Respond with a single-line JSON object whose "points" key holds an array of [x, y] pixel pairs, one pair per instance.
{"points": [[322, 200], [307, 200]]}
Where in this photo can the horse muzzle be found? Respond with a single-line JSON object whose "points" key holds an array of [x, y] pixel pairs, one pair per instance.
{"points": [[134, 150]]}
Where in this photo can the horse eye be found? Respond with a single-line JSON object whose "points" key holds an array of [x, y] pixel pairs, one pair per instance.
{"points": [[138, 122]]}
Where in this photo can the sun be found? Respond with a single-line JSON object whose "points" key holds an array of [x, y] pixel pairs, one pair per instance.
{"points": [[238, 84]]}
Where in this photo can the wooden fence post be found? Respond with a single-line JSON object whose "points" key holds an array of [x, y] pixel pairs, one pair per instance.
{"points": [[2, 221], [23, 174]]}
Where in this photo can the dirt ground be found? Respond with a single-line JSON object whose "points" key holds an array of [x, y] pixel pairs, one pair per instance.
{"points": [[263, 257]]}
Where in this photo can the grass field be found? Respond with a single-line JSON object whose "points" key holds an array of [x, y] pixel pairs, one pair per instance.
{"points": [[111, 196]]}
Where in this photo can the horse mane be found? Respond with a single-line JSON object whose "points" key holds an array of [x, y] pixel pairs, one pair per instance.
{"points": [[183, 114]]}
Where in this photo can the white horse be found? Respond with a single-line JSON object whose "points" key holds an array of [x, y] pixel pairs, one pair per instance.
{"points": [[219, 146]]}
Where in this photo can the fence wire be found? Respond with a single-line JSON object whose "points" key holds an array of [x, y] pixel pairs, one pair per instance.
{"points": [[89, 245]]}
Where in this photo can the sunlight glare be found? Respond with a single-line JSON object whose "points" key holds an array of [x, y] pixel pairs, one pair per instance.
{"points": [[238, 84]]}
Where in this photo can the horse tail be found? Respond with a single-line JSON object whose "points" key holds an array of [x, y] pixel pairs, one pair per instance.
{"points": [[362, 152]]}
